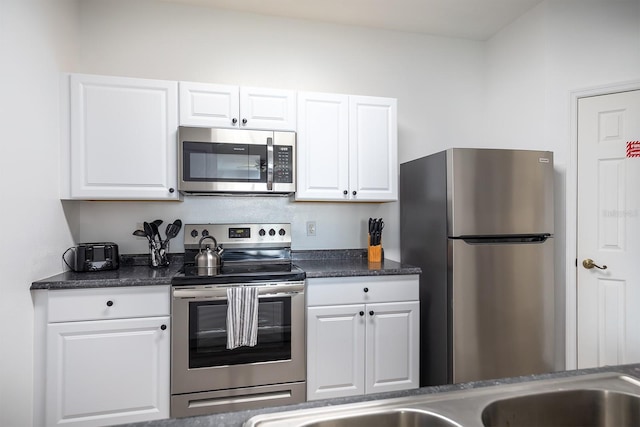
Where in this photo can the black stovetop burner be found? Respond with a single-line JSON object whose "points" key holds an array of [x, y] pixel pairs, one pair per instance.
{"points": [[240, 273], [254, 252]]}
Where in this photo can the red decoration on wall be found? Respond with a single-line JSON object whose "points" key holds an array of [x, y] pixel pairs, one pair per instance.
{"points": [[633, 149]]}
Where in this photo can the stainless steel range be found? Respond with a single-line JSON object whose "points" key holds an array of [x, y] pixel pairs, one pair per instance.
{"points": [[206, 376]]}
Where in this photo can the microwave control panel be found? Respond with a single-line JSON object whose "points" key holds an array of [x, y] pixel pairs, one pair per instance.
{"points": [[283, 163]]}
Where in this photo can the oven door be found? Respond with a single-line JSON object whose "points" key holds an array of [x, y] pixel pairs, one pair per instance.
{"points": [[200, 359]]}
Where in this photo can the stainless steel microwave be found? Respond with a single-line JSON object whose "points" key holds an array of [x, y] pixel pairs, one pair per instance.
{"points": [[212, 160]]}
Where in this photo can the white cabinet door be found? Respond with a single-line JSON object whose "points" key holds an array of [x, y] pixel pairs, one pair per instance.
{"points": [[335, 351], [209, 105], [123, 138], [107, 372], [323, 147], [347, 148], [269, 109], [392, 349], [212, 105], [373, 149]]}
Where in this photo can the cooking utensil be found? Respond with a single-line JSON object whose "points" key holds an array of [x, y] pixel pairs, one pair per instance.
{"points": [[148, 231], [140, 233], [208, 262], [156, 232], [173, 229]]}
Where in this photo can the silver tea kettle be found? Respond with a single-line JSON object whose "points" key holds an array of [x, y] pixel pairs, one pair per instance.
{"points": [[208, 261]]}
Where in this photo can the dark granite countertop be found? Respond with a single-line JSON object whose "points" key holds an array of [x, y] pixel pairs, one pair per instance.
{"points": [[347, 263], [236, 419], [134, 270]]}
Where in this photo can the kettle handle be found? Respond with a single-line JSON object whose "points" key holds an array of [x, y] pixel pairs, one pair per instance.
{"points": [[215, 242]]}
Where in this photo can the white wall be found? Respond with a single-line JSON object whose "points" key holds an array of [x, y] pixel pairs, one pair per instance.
{"points": [[36, 42], [437, 82], [534, 66]]}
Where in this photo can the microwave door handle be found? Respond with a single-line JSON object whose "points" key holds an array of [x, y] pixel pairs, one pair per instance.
{"points": [[270, 164]]}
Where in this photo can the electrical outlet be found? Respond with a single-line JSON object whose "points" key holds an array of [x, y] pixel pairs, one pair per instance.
{"points": [[311, 228]]}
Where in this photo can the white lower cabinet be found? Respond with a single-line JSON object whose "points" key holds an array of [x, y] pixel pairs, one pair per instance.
{"points": [[362, 335], [105, 362]]}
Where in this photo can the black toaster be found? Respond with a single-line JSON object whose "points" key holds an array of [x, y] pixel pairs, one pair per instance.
{"points": [[99, 256]]}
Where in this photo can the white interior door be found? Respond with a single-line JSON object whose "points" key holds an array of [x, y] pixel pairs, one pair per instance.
{"points": [[608, 230]]}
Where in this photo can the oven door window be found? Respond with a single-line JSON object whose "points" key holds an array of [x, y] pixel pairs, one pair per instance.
{"points": [[208, 334], [224, 162]]}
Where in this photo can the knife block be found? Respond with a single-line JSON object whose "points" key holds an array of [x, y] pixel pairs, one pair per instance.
{"points": [[374, 253]]}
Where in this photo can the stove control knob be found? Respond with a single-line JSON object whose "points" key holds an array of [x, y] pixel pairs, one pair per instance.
{"points": [[194, 233], [282, 232], [272, 232], [205, 232], [262, 232]]}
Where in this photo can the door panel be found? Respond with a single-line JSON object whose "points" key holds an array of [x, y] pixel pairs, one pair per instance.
{"points": [[392, 346], [108, 371], [503, 309], [323, 146], [335, 357], [497, 192], [607, 229]]}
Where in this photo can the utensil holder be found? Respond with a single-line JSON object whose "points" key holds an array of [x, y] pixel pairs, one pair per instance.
{"points": [[374, 253], [158, 255]]}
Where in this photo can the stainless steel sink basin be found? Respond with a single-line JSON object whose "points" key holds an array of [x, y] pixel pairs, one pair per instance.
{"points": [[597, 400], [565, 408], [391, 418]]}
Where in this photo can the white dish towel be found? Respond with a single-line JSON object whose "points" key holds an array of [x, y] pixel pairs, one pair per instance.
{"points": [[242, 316]]}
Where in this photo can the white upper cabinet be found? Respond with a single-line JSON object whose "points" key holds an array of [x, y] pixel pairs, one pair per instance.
{"points": [[323, 146], [211, 105], [347, 148], [122, 139], [373, 148]]}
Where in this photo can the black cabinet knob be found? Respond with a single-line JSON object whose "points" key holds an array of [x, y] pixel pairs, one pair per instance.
{"points": [[234, 121], [354, 192], [362, 313], [366, 289], [163, 327], [109, 303], [171, 190], [345, 192], [244, 121], [371, 313]]}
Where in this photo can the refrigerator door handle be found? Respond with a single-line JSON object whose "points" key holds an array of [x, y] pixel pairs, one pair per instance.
{"points": [[524, 238]]}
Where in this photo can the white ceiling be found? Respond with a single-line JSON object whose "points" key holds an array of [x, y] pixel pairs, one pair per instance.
{"points": [[470, 19]]}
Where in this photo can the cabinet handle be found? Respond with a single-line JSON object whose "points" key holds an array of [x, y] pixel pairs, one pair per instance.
{"points": [[244, 122], [163, 327], [171, 190], [354, 192], [362, 313], [345, 192], [234, 121], [371, 313], [109, 303], [366, 289]]}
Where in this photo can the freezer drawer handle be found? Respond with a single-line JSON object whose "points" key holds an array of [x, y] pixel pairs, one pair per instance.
{"points": [[589, 264]]}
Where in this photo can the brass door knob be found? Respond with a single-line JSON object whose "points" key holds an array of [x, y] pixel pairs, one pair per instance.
{"points": [[589, 264]]}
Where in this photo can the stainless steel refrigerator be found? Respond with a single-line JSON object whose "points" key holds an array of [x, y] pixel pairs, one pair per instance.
{"points": [[479, 222]]}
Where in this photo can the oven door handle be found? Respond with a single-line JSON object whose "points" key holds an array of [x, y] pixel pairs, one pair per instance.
{"points": [[220, 291]]}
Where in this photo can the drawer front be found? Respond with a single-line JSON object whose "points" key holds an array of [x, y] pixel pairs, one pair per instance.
{"points": [[361, 289], [70, 305]]}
